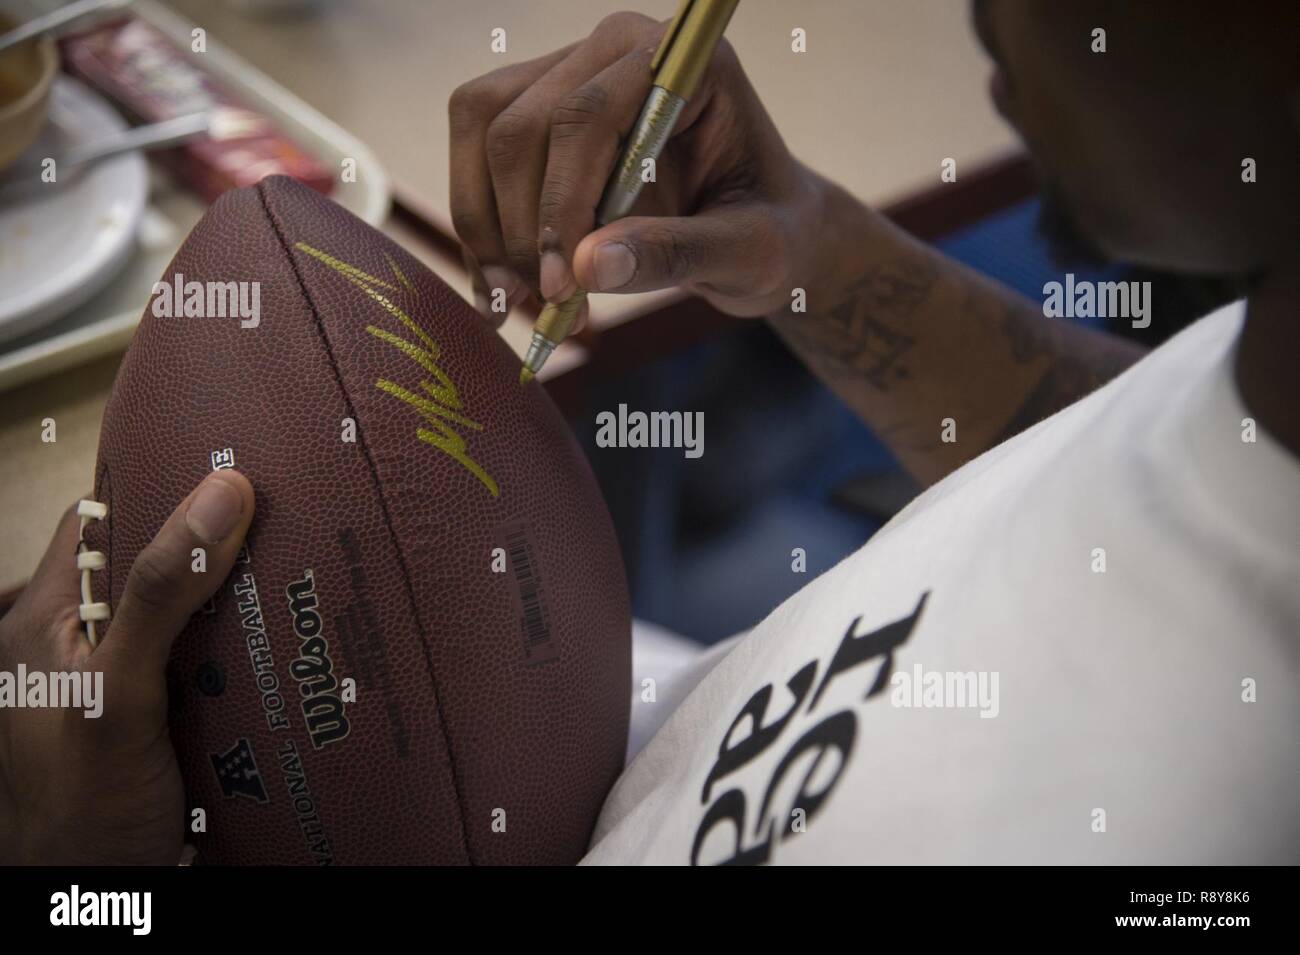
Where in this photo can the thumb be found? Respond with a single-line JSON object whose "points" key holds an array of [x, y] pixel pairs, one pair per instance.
{"points": [[733, 249], [163, 588]]}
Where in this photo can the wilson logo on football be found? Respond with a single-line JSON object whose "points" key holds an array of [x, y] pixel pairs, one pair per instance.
{"points": [[322, 707]]}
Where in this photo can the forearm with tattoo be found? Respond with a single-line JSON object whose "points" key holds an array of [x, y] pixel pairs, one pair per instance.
{"points": [[908, 338]]}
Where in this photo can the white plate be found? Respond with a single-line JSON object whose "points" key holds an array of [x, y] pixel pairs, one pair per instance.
{"points": [[103, 324], [62, 242]]}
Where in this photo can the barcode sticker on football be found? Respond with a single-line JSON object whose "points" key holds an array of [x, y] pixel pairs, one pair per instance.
{"points": [[528, 593]]}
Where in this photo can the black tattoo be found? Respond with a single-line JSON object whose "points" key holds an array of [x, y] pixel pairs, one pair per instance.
{"points": [[1029, 339], [1069, 378], [1015, 321], [852, 340], [869, 335]]}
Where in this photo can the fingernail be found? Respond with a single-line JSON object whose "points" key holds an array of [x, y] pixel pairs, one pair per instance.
{"points": [[500, 277], [615, 264], [557, 280], [214, 511]]}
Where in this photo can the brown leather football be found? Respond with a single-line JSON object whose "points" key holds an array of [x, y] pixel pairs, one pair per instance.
{"points": [[423, 652]]}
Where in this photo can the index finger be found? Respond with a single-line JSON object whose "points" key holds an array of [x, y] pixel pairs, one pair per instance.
{"points": [[471, 109]]}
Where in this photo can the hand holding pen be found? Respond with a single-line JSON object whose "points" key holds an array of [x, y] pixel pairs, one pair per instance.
{"points": [[730, 215], [677, 66]]}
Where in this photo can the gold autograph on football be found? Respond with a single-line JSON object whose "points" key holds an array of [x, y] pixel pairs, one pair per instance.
{"points": [[439, 403]]}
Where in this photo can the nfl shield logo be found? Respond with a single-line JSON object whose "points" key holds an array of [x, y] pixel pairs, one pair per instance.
{"points": [[237, 772]]}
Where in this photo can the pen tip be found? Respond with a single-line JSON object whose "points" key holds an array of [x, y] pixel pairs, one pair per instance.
{"points": [[525, 375]]}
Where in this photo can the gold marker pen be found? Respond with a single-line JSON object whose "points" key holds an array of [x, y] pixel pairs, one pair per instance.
{"points": [[678, 65]]}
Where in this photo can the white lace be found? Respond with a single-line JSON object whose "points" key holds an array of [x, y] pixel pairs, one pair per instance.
{"points": [[87, 562]]}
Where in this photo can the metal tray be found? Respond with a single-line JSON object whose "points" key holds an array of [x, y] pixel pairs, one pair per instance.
{"points": [[105, 323]]}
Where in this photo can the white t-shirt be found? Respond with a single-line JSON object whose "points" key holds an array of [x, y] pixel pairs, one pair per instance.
{"points": [[1108, 608]]}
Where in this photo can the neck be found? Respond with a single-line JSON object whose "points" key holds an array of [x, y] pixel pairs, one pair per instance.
{"points": [[1266, 372]]}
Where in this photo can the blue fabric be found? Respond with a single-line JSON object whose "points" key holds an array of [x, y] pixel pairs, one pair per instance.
{"points": [[783, 467]]}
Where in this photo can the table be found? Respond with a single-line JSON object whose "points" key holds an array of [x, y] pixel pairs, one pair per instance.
{"points": [[886, 90]]}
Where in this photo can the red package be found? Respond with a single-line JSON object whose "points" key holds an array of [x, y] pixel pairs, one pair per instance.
{"points": [[142, 70]]}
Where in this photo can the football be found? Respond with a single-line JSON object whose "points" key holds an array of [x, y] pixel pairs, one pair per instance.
{"points": [[422, 654]]}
